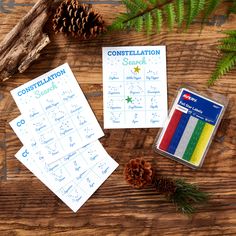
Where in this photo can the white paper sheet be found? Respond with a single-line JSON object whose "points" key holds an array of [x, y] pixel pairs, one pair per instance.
{"points": [[57, 113], [73, 178], [134, 87]]}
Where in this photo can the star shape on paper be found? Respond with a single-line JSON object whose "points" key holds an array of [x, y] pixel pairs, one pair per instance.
{"points": [[129, 99], [137, 69]]}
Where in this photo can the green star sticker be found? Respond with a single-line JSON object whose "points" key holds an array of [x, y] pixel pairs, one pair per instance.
{"points": [[129, 99]]}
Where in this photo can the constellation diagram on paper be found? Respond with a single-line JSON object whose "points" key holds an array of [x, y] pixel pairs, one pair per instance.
{"points": [[58, 113], [134, 86]]}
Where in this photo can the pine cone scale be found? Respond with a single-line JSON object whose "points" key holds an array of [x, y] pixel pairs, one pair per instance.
{"points": [[138, 173]]}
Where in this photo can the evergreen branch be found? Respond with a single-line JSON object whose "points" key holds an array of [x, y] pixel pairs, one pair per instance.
{"points": [[186, 195]]}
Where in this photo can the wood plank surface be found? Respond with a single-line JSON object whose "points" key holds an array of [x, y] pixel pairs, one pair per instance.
{"points": [[27, 207]]}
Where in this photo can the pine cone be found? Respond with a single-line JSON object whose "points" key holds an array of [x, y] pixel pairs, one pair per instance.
{"points": [[138, 173], [165, 185], [77, 20]]}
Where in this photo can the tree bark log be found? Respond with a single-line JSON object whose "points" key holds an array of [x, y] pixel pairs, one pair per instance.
{"points": [[23, 43]]}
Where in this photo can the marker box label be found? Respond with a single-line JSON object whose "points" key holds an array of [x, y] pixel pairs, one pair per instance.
{"points": [[192, 123]]}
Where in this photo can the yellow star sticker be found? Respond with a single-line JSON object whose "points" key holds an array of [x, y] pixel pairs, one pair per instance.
{"points": [[137, 69]]}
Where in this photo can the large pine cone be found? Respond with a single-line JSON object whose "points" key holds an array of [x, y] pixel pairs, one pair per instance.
{"points": [[138, 173], [77, 20]]}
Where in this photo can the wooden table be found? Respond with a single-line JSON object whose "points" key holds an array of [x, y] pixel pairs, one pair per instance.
{"points": [[27, 207]]}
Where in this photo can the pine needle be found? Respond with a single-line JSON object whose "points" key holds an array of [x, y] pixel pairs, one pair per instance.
{"points": [[186, 196]]}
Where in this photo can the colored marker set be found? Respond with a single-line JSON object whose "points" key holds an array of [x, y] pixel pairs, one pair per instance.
{"points": [[188, 132]]}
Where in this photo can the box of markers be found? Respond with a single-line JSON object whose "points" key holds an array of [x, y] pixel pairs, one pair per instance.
{"points": [[190, 127]]}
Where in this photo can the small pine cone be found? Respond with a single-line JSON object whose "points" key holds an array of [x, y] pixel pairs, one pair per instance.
{"points": [[138, 173], [77, 20], [166, 186]]}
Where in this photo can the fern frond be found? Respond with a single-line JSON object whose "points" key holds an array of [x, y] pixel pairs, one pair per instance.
{"points": [[131, 6], [210, 7], [159, 20], [148, 22], [139, 24], [179, 11], [192, 5], [230, 32], [141, 4], [194, 8], [227, 48], [199, 7], [232, 9], [152, 2], [170, 12], [229, 40], [118, 23], [223, 66]]}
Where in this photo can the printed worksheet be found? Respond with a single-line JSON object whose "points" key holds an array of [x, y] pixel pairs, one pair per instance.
{"points": [[59, 117], [134, 86], [73, 178]]}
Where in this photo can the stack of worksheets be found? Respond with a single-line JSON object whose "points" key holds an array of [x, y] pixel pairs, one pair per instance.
{"points": [[60, 136]]}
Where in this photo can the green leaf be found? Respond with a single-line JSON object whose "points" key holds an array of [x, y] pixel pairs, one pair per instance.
{"points": [[141, 4], [153, 1], [159, 20], [229, 40], [139, 24], [210, 7], [180, 11], [223, 66], [148, 22], [194, 8], [131, 6], [227, 48], [230, 32], [191, 8], [232, 9], [118, 22], [169, 9]]}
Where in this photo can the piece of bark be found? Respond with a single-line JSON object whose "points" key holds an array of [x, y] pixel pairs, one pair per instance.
{"points": [[23, 43]]}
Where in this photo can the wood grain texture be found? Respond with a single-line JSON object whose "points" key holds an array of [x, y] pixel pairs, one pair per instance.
{"points": [[27, 207]]}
